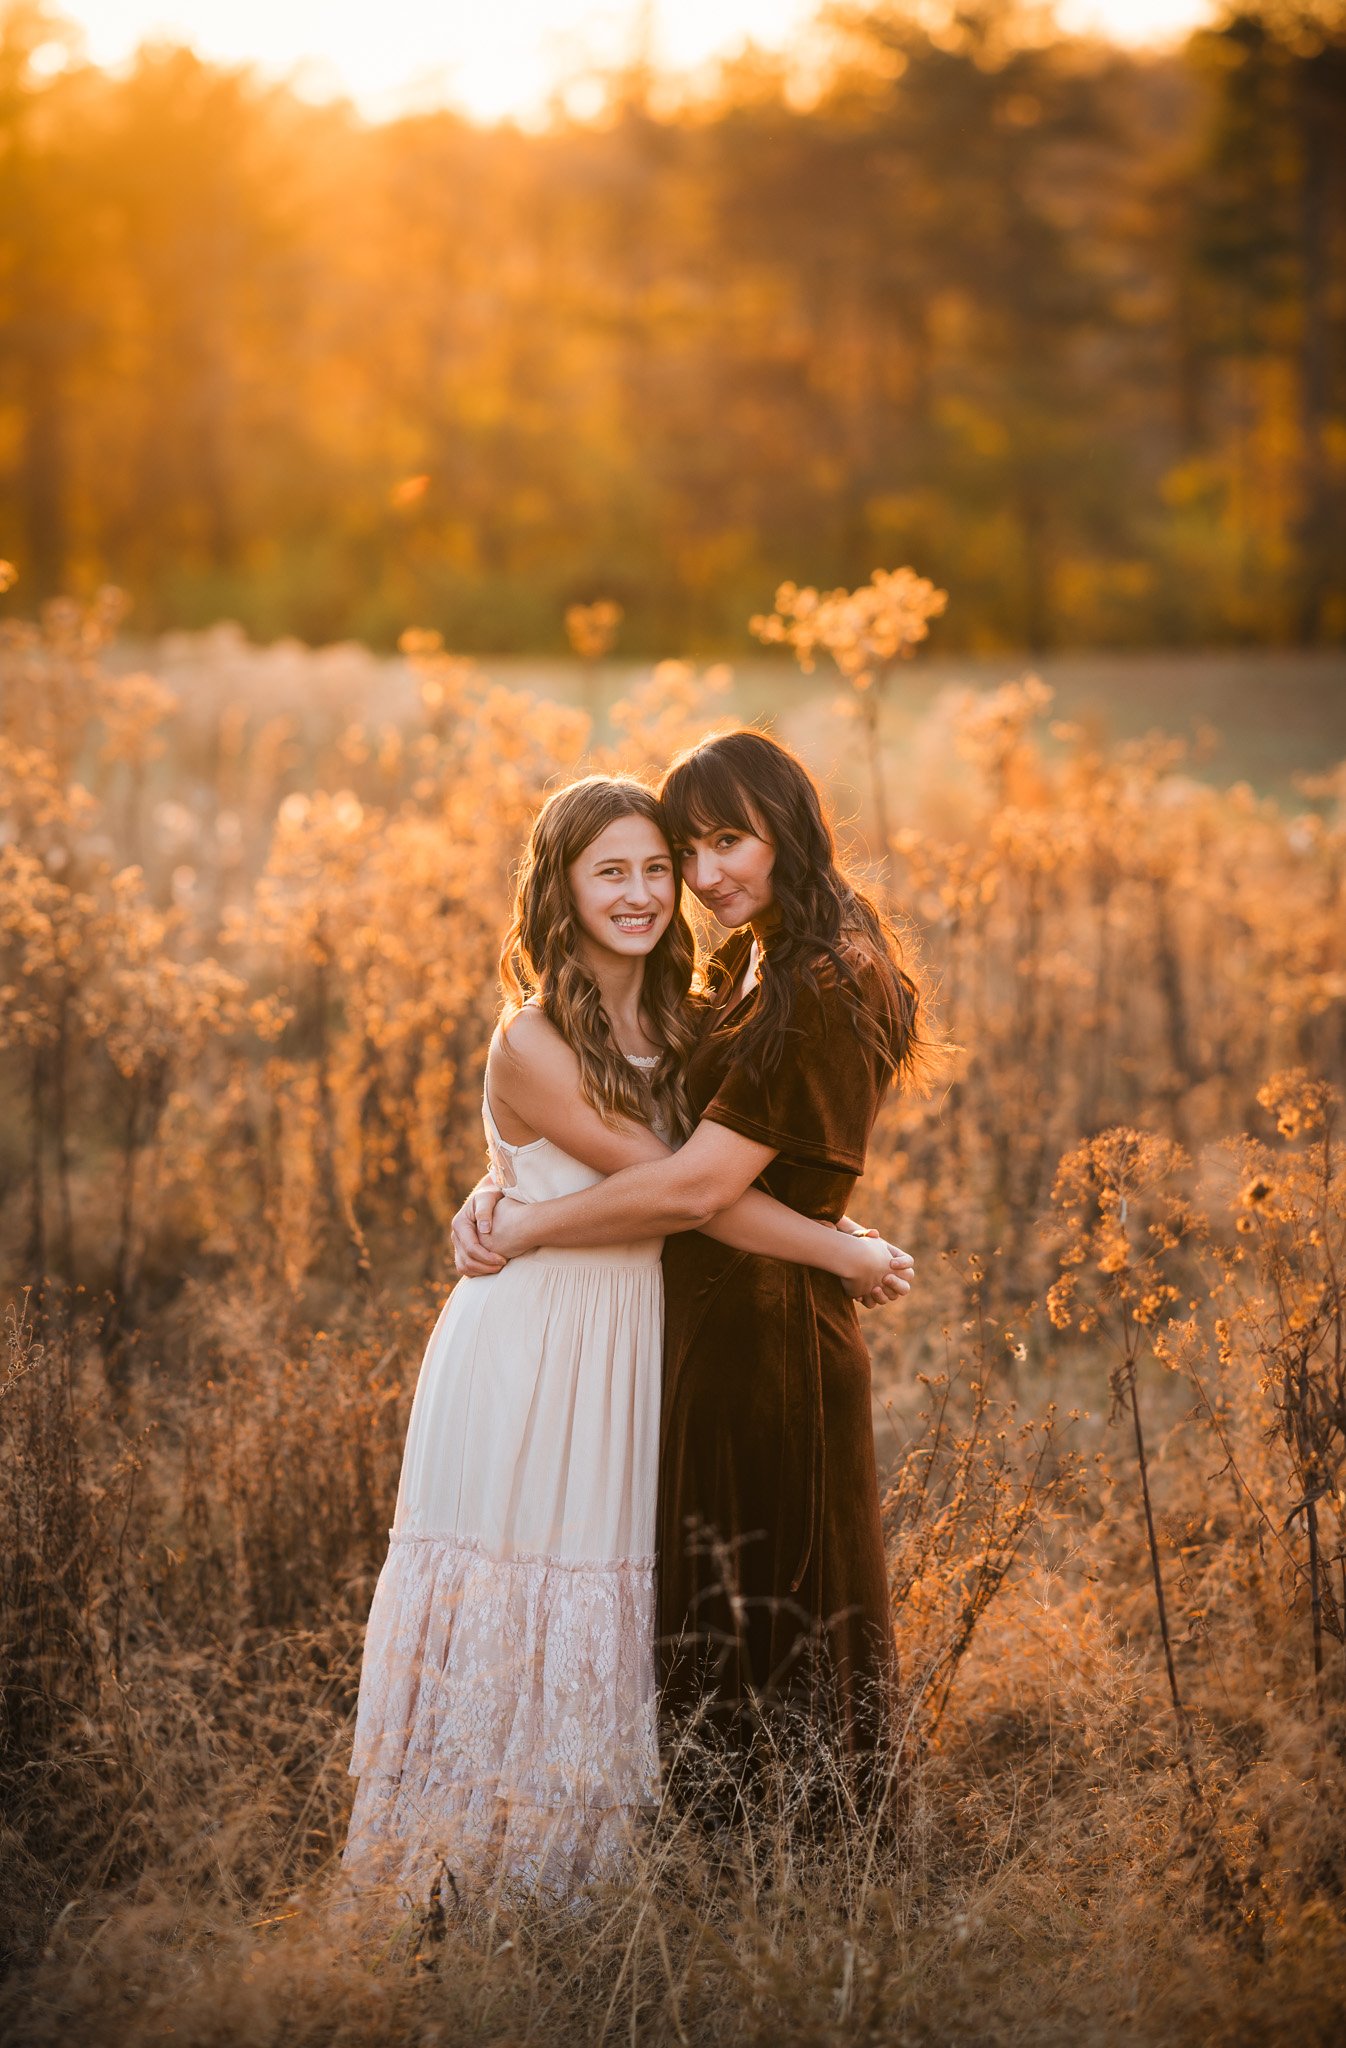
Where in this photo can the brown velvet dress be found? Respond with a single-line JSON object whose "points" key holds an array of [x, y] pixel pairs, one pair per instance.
{"points": [[772, 1586]]}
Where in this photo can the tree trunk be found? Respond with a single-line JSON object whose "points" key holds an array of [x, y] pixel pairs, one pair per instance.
{"points": [[42, 465], [1032, 515], [1317, 114]]}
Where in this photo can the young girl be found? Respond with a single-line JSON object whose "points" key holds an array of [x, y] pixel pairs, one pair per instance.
{"points": [[772, 1585], [506, 1719]]}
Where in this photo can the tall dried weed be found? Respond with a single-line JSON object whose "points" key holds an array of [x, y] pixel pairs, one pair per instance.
{"points": [[244, 999]]}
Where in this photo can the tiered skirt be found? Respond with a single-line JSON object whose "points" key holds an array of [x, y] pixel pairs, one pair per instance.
{"points": [[506, 1721]]}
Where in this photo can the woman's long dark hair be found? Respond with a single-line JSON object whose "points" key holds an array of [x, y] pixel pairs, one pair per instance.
{"points": [[751, 783]]}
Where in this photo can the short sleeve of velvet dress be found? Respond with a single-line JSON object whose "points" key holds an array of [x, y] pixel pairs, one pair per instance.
{"points": [[817, 1107]]}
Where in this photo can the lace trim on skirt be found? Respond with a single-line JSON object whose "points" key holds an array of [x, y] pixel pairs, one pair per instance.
{"points": [[506, 1712]]}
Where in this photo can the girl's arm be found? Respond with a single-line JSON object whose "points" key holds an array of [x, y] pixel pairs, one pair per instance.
{"points": [[680, 1190], [758, 1223], [689, 1190], [533, 1077]]}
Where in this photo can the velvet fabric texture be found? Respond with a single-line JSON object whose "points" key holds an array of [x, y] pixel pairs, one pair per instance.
{"points": [[772, 1586]]}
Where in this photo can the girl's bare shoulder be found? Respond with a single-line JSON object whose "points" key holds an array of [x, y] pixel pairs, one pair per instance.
{"points": [[529, 1041]]}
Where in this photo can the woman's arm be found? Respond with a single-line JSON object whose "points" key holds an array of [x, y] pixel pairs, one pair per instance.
{"points": [[681, 1191], [533, 1076], [672, 1194], [756, 1223]]}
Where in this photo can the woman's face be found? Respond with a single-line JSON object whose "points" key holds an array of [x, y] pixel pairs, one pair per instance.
{"points": [[623, 888], [729, 871]]}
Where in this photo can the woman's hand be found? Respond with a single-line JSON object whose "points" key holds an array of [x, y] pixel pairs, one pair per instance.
{"points": [[511, 1227], [490, 1229], [474, 1257]]}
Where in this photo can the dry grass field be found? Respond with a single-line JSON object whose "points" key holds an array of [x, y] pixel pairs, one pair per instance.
{"points": [[249, 927]]}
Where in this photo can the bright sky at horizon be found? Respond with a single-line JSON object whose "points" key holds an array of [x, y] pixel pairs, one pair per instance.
{"points": [[502, 59]]}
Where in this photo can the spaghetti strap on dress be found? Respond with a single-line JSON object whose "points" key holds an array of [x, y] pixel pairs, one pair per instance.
{"points": [[506, 1720]]}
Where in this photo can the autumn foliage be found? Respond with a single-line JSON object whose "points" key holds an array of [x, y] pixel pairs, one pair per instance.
{"points": [[1059, 320]]}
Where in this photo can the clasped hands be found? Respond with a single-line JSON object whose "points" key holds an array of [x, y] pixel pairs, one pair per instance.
{"points": [[894, 1279], [486, 1235]]}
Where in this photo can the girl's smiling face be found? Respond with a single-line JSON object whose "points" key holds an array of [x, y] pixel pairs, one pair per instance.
{"points": [[728, 869], [623, 888]]}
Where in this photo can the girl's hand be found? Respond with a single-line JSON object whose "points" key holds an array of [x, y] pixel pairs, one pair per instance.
{"points": [[896, 1282], [474, 1257], [875, 1271], [892, 1287], [902, 1261]]}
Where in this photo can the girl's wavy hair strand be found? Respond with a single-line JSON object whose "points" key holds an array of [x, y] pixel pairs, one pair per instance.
{"points": [[541, 959]]}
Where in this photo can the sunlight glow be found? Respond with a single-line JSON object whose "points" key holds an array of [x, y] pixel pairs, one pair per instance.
{"points": [[505, 59]]}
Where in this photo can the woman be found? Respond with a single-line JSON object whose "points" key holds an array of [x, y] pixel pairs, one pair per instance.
{"points": [[772, 1585], [506, 1714]]}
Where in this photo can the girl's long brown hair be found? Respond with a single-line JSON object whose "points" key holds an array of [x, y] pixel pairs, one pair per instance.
{"points": [[751, 783], [541, 957]]}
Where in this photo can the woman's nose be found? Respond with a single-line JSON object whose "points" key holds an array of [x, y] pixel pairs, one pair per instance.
{"points": [[705, 873]]}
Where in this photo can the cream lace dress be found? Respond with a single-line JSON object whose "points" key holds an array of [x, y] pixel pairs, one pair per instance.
{"points": [[506, 1721]]}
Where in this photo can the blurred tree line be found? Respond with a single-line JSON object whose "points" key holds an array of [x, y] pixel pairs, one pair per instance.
{"points": [[1062, 324]]}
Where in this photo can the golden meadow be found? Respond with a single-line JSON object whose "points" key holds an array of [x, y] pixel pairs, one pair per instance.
{"points": [[247, 980]]}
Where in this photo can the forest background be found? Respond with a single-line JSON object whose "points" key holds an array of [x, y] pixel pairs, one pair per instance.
{"points": [[1064, 323], [1061, 325]]}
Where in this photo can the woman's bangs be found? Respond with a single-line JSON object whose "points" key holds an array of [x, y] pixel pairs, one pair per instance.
{"points": [[701, 794]]}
